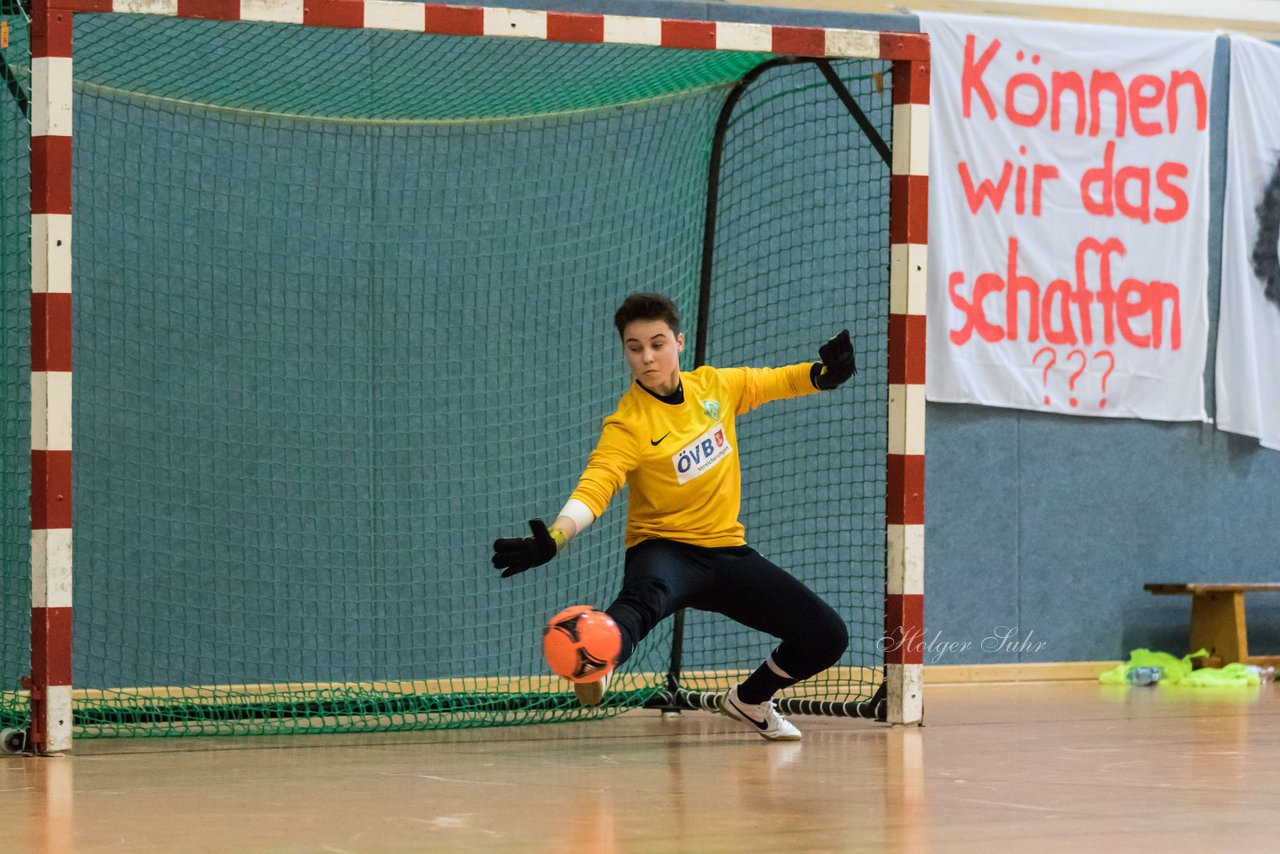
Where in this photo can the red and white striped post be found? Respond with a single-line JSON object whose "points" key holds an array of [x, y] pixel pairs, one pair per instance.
{"points": [[904, 487], [50, 682]]}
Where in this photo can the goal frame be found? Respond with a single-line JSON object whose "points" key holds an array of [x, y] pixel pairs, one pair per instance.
{"points": [[50, 682]]}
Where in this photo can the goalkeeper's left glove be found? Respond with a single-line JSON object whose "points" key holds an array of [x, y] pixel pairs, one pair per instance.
{"points": [[837, 363]]}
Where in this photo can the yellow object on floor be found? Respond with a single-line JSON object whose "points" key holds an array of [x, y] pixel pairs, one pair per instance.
{"points": [[1173, 670], [1233, 675]]}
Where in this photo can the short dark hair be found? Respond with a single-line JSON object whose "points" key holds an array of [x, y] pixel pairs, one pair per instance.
{"points": [[646, 306]]}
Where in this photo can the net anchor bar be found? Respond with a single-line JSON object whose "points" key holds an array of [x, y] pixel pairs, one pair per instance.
{"points": [[875, 709]]}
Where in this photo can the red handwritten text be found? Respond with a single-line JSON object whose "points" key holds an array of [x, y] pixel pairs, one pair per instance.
{"points": [[1147, 103], [993, 192], [1105, 190], [1062, 312]]}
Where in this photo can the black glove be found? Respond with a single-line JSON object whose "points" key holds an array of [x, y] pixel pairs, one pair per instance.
{"points": [[837, 363], [516, 555]]}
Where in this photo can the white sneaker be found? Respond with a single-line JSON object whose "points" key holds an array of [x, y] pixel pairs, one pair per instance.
{"points": [[591, 693], [762, 717]]}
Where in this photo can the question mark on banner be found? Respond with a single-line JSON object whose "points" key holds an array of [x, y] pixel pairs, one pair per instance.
{"points": [[1102, 404], [1071, 383], [1053, 359]]}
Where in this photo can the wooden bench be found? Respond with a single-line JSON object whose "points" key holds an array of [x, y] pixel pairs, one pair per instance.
{"points": [[1217, 621]]}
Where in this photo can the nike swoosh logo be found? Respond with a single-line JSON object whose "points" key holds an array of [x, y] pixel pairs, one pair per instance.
{"points": [[658, 441], [747, 717]]}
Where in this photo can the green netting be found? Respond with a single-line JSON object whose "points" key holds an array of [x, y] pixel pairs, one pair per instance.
{"points": [[382, 76], [342, 306], [15, 371]]}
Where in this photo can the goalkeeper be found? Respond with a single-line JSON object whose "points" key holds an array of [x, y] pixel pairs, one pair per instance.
{"points": [[673, 440]]}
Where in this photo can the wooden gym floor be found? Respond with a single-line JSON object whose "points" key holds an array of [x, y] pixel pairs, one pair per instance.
{"points": [[1033, 767]]}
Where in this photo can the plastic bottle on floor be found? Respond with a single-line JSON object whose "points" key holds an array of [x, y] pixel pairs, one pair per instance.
{"points": [[1142, 675], [1265, 674]]}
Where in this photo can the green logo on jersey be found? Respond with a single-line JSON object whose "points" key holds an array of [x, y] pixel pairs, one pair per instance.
{"points": [[712, 408]]}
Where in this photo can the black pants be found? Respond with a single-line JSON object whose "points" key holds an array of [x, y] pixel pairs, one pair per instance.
{"points": [[663, 576]]}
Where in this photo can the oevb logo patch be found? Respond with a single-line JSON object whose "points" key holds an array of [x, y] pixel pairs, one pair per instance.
{"points": [[701, 454]]}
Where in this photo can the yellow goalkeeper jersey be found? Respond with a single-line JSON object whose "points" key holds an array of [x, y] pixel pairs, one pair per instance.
{"points": [[681, 459]]}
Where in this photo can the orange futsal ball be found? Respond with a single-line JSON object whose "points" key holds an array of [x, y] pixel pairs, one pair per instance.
{"points": [[581, 644]]}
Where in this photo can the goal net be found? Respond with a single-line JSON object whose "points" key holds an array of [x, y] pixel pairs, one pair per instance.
{"points": [[342, 315]]}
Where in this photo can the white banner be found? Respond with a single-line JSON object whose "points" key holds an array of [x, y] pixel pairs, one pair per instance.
{"points": [[1068, 217], [1248, 365]]}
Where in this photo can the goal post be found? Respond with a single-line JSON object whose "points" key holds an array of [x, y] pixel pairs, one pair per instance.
{"points": [[330, 272]]}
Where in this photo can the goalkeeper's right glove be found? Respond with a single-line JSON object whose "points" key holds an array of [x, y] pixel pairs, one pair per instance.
{"points": [[837, 363], [514, 556]]}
